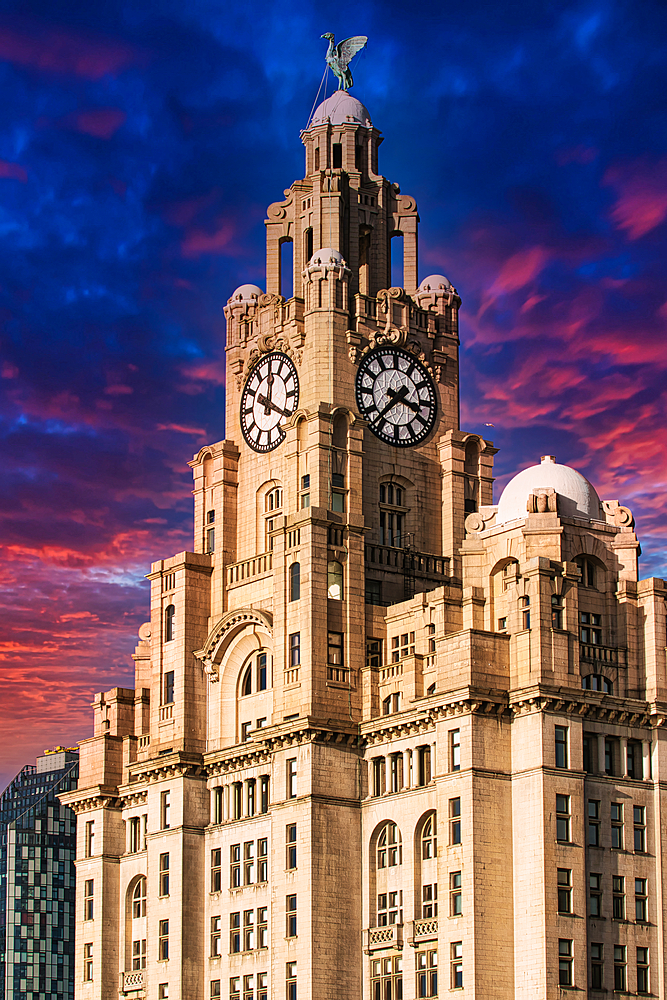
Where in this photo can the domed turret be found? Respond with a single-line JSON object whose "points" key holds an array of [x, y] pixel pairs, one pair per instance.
{"points": [[339, 109], [576, 496], [246, 293], [436, 283]]}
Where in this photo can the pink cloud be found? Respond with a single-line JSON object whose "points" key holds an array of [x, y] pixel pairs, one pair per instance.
{"points": [[198, 241], [100, 122], [641, 189], [55, 50], [13, 171]]}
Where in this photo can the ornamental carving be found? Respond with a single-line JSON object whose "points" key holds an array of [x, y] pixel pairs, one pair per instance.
{"points": [[232, 621], [265, 344]]}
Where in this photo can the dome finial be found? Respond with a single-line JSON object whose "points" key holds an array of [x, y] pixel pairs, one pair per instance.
{"points": [[339, 56]]}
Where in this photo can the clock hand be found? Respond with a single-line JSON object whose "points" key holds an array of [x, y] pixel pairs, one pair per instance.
{"points": [[394, 398], [406, 402], [269, 405], [267, 399]]}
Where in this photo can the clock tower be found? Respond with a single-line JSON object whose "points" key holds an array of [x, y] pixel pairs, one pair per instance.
{"points": [[375, 717]]}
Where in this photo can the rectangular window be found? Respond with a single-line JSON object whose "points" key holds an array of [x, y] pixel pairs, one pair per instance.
{"points": [[565, 976], [563, 818], [618, 897], [455, 750], [216, 935], [210, 539], [217, 805], [590, 753], [290, 981], [593, 823], [168, 687], [216, 869], [455, 895], [291, 846], [455, 821], [234, 866], [525, 613], [163, 991], [430, 901], [215, 989], [235, 988], [249, 862], [564, 890], [235, 932], [237, 796], [597, 966], [427, 974], [245, 731], [262, 927], [556, 611], [295, 649], [595, 894], [164, 875], [639, 820], [611, 756], [88, 963], [502, 624], [561, 746], [89, 845], [248, 930], [291, 778], [165, 808], [642, 970], [373, 651], [163, 941], [641, 901], [251, 787], [290, 910], [620, 968], [135, 834], [387, 978], [335, 648], [139, 954], [617, 825], [378, 775], [402, 645], [635, 761], [457, 964], [590, 631], [88, 898], [264, 793], [262, 860]]}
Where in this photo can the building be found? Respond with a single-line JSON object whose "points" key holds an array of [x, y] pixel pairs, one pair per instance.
{"points": [[37, 851], [380, 726]]}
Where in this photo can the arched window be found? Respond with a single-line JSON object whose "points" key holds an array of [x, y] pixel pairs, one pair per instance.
{"points": [[335, 581], [392, 514], [139, 899], [169, 615], [246, 685], [295, 581], [596, 682], [429, 838], [390, 847]]}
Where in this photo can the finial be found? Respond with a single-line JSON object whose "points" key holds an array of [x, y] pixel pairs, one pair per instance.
{"points": [[339, 56]]}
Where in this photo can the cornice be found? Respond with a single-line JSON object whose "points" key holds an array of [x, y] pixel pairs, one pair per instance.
{"points": [[82, 800], [592, 705]]}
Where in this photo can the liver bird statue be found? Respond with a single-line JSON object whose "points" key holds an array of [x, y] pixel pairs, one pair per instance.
{"points": [[339, 56]]}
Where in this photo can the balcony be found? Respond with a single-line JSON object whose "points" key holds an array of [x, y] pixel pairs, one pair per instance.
{"points": [[425, 930], [610, 656], [249, 569], [378, 938], [132, 982], [166, 712]]}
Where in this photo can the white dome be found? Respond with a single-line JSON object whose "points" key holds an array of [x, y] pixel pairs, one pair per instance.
{"points": [[246, 293], [327, 255], [576, 496], [340, 108], [436, 283]]}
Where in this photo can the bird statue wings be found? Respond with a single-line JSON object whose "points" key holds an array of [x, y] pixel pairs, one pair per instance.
{"points": [[339, 56]]}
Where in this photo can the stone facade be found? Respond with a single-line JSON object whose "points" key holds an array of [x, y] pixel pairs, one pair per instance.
{"points": [[378, 725]]}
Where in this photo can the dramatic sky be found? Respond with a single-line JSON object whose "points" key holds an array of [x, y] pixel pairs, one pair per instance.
{"points": [[140, 144]]}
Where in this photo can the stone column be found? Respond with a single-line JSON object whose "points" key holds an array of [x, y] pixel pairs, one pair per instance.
{"points": [[624, 756], [387, 773], [646, 759], [407, 769]]}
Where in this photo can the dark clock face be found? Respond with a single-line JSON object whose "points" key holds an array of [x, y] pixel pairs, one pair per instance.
{"points": [[396, 395], [270, 396]]}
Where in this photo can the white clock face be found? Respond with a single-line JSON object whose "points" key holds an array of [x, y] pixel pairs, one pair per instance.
{"points": [[270, 396], [396, 395]]}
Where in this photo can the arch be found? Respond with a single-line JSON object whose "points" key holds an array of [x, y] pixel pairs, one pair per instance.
{"points": [[426, 836], [246, 683], [339, 429], [426, 865], [389, 848], [286, 265], [135, 917], [397, 259], [295, 581], [593, 571], [597, 682], [169, 622], [334, 580], [471, 456]]}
